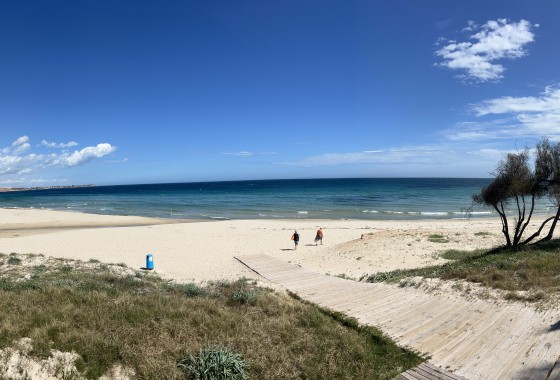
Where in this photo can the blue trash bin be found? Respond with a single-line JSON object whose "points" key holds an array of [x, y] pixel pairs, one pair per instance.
{"points": [[149, 261]]}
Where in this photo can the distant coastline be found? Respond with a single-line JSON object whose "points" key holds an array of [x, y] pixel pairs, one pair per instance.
{"points": [[9, 189]]}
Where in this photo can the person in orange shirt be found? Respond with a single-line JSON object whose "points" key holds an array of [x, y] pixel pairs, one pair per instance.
{"points": [[319, 236]]}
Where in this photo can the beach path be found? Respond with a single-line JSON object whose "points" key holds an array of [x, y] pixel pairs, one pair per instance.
{"points": [[475, 339]]}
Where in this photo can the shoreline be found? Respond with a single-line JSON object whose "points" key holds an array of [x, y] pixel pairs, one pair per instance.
{"points": [[404, 216]]}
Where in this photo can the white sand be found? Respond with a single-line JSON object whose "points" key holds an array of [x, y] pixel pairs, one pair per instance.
{"points": [[203, 251]]}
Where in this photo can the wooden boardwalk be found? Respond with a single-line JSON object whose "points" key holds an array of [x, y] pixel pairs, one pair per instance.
{"points": [[475, 339]]}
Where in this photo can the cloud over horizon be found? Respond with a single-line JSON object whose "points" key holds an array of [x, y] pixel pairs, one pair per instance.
{"points": [[439, 155], [493, 41], [509, 117], [482, 142], [16, 160]]}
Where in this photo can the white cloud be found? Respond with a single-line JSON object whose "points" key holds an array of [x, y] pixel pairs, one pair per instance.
{"points": [[501, 128], [79, 157], [18, 147], [533, 116], [249, 154], [471, 26], [495, 40], [418, 155], [506, 118], [59, 145], [117, 161], [35, 181], [13, 161], [20, 141], [240, 154], [548, 102], [11, 164], [445, 159]]}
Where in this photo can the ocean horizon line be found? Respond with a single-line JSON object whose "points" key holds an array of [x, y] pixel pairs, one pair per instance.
{"points": [[281, 179]]}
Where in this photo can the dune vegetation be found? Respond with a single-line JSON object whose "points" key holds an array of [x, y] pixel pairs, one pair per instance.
{"points": [[75, 320], [529, 272]]}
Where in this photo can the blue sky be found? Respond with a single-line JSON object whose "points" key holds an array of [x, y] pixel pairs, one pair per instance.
{"points": [[119, 92]]}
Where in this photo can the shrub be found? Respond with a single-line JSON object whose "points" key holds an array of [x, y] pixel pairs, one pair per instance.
{"points": [[214, 363], [243, 297], [14, 260], [193, 290]]}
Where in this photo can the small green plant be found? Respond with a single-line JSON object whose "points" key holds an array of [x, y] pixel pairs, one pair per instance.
{"points": [[436, 238], [512, 296], [482, 233], [193, 290], [243, 297], [214, 363], [344, 276], [222, 284], [66, 269], [392, 276], [14, 260], [407, 283], [38, 269]]}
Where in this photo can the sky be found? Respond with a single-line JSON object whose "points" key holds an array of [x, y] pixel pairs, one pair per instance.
{"points": [[129, 92]]}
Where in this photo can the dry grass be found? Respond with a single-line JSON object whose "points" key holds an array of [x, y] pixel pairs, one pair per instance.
{"points": [[110, 315]]}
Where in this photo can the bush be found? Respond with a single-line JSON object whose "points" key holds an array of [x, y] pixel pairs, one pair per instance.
{"points": [[243, 297], [214, 363], [193, 290], [14, 260]]}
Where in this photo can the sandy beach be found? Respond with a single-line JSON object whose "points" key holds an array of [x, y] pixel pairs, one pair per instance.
{"points": [[201, 251]]}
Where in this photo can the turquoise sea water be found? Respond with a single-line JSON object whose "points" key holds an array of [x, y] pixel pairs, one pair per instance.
{"points": [[358, 198]]}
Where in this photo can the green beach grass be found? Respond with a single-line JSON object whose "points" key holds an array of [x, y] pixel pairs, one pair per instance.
{"points": [[110, 315], [532, 269]]}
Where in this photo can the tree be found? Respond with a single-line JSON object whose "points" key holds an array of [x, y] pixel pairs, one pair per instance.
{"points": [[517, 187], [548, 163]]}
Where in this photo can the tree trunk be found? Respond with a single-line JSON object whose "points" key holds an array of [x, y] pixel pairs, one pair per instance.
{"points": [[552, 227], [528, 218], [520, 219], [505, 228], [539, 230]]}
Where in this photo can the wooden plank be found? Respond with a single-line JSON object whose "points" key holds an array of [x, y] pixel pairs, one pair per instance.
{"points": [[406, 376], [427, 371], [441, 372]]}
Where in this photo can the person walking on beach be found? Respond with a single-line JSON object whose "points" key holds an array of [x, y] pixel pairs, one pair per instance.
{"points": [[295, 238], [319, 236]]}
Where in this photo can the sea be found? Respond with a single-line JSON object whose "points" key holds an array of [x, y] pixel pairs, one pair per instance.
{"points": [[334, 199]]}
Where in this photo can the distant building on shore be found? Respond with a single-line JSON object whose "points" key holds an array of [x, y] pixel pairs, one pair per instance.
{"points": [[7, 189]]}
